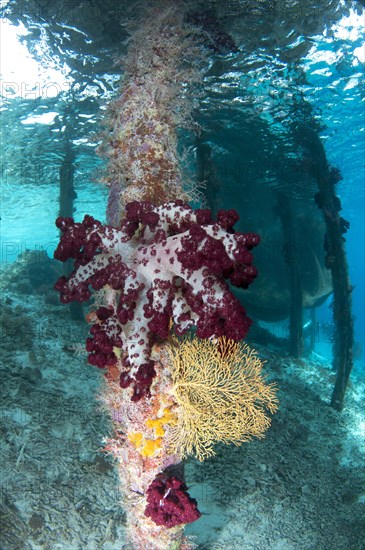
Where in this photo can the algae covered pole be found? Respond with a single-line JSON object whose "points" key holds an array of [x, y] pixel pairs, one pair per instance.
{"points": [[336, 261], [327, 177], [67, 190], [290, 253], [67, 198]]}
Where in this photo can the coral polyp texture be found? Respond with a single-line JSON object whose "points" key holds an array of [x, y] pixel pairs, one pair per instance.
{"points": [[139, 444], [164, 64], [164, 263]]}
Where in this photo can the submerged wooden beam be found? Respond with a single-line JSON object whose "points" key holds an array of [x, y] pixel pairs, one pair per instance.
{"points": [[336, 261], [290, 253], [67, 197], [327, 177]]}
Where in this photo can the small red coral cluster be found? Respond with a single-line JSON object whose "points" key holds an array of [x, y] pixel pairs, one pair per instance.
{"points": [[169, 504], [166, 262]]}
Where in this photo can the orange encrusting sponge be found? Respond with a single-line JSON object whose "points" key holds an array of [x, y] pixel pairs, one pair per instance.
{"points": [[148, 447]]}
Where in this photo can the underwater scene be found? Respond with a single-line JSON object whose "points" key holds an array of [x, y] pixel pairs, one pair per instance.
{"points": [[182, 275]]}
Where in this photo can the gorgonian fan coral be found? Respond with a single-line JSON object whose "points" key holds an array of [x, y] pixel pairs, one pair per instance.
{"points": [[164, 263], [221, 393]]}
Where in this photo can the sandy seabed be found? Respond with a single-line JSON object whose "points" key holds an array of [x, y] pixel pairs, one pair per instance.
{"points": [[300, 488]]}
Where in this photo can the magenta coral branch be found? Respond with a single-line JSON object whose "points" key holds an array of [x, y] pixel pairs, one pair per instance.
{"points": [[166, 262], [169, 504]]}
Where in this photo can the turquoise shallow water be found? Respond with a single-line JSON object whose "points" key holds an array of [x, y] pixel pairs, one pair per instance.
{"points": [[254, 104]]}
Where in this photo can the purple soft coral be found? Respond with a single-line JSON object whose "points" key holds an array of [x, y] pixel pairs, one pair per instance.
{"points": [[169, 504], [166, 262]]}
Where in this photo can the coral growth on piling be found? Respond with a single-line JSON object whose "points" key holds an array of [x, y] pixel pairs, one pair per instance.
{"points": [[159, 268], [167, 263], [163, 66]]}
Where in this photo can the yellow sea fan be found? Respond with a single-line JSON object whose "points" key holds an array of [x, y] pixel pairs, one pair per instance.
{"points": [[221, 395]]}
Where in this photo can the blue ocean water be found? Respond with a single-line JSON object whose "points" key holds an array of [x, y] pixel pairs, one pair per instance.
{"points": [[333, 87]]}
